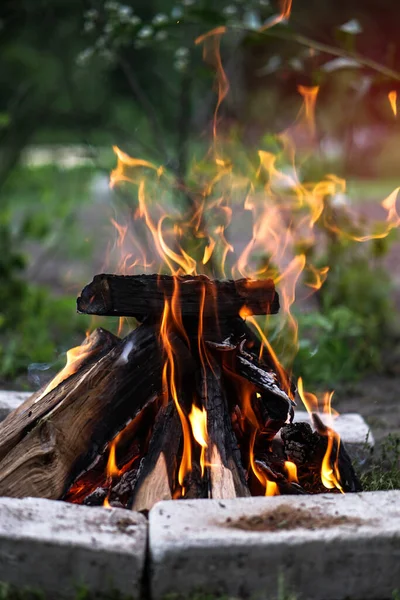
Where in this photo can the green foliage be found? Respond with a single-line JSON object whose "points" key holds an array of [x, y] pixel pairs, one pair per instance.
{"points": [[38, 206], [345, 338], [384, 471]]}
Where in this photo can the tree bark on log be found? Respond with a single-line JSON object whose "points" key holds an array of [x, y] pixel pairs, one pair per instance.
{"points": [[226, 474], [45, 449], [144, 295], [158, 470]]}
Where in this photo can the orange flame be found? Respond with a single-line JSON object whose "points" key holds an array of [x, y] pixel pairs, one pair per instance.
{"points": [[169, 385], [310, 98], [330, 476], [271, 488], [75, 357], [212, 55], [285, 11], [198, 421], [309, 400], [392, 96]]}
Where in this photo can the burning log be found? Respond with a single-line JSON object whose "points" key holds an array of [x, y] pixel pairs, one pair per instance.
{"points": [[241, 331], [247, 365], [309, 449], [43, 450], [226, 474], [158, 470], [144, 295]]}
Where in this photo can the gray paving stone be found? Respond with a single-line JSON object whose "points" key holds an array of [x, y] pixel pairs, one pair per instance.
{"points": [[57, 547], [194, 546], [9, 401]]}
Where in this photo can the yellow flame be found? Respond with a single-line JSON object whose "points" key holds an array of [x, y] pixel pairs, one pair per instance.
{"points": [[198, 421], [330, 476], [392, 96], [309, 400], [291, 470], [75, 357]]}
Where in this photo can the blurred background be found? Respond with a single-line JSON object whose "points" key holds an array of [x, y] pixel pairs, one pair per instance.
{"points": [[79, 77]]}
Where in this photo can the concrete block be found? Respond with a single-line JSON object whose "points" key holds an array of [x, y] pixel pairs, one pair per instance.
{"points": [[57, 547], [328, 546], [9, 401]]}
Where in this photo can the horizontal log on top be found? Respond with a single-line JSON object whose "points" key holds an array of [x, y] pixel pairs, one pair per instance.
{"points": [[144, 295]]}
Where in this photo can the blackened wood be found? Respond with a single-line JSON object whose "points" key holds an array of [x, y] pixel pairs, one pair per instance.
{"points": [[195, 484], [96, 345], [272, 406], [241, 331], [285, 487], [247, 365], [157, 474], [44, 452], [144, 295], [226, 474]]}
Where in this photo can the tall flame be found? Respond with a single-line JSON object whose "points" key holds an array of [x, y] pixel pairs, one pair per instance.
{"points": [[169, 385], [330, 475]]}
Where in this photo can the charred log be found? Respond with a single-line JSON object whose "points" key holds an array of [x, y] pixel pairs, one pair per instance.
{"points": [[144, 295], [43, 450], [157, 475], [226, 474]]}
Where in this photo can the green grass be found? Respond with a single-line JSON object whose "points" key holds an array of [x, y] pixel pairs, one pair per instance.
{"points": [[384, 470]]}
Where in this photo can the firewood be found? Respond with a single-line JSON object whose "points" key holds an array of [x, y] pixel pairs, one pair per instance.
{"points": [[142, 295], [285, 487], [158, 470], [44, 450], [226, 474], [247, 365], [241, 331], [96, 345]]}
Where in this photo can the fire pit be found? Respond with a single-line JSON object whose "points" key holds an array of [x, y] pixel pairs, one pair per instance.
{"points": [[188, 405]]}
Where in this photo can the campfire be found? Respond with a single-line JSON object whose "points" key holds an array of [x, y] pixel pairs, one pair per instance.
{"points": [[193, 402], [188, 405]]}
